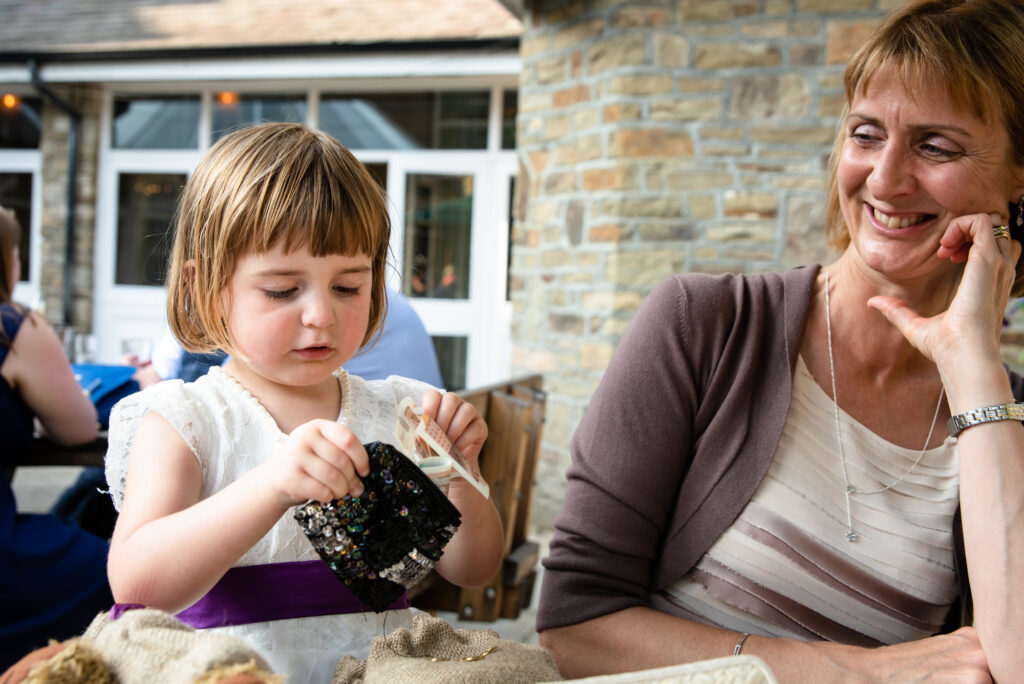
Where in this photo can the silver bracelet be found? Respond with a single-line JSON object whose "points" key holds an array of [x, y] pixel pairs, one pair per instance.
{"points": [[988, 414], [739, 644]]}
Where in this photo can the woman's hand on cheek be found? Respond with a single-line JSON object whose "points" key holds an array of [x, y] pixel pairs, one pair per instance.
{"points": [[975, 315], [320, 460], [460, 421]]}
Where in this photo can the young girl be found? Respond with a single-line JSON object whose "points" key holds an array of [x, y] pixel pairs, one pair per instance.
{"points": [[279, 258]]}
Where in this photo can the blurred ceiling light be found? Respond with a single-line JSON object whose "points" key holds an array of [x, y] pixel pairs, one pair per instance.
{"points": [[227, 99], [10, 101]]}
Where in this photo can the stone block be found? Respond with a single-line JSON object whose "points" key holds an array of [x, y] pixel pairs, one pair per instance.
{"points": [[722, 133], [577, 33], [834, 6], [636, 206], [596, 356], [570, 96], [636, 84], [750, 204], [725, 149], [757, 98], [799, 135], [574, 222], [696, 85], [649, 142], [532, 45], [842, 38], [534, 102], [621, 111], [560, 182], [552, 70], [780, 28], [642, 269], [752, 231], [616, 52], [586, 148], [556, 127], [609, 232], [630, 17], [716, 10], [690, 109], [565, 324], [585, 119], [701, 179], [805, 55], [737, 55], [613, 178], [702, 206], [666, 232], [671, 50]]}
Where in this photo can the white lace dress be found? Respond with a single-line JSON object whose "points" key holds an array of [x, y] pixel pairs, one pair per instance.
{"points": [[230, 433]]}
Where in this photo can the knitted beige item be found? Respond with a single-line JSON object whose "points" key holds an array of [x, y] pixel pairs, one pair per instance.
{"points": [[144, 646], [75, 663], [404, 657], [740, 669]]}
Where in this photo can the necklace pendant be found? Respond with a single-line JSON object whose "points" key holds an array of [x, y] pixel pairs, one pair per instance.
{"points": [[850, 489], [851, 535]]}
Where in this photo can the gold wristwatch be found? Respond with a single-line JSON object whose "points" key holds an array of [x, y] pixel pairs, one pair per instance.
{"points": [[988, 414]]}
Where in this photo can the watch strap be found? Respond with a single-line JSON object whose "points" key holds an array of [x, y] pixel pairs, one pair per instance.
{"points": [[988, 414]]}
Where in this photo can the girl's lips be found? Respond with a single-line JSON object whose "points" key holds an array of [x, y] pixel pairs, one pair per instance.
{"points": [[314, 353]]}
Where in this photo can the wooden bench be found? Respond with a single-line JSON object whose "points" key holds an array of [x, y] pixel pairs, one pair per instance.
{"points": [[514, 411]]}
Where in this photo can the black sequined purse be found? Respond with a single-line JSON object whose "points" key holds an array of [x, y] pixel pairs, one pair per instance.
{"points": [[387, 539]]}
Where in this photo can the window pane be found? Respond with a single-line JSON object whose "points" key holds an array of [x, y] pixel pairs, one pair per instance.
{"points": [[463, 121], [439, 214], [451, 357], [145, 209], [16, 194], [231, 112], [156, 123], [21, 120], [510, 107], [401, 121]]}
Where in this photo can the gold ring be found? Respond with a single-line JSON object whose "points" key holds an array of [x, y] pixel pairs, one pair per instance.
{"points": [[1001, 232]]}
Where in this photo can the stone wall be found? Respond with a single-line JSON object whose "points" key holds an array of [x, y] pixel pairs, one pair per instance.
{"points": [[654, 138], [55, 135]]}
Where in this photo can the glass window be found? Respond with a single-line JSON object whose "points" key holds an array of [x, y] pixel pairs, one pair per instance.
{"points": [[401, 121], [451, 357], [156, 122], [439, 215], [21, 122], [510, 106], [232, 111], [16, 194], [145, 209]]}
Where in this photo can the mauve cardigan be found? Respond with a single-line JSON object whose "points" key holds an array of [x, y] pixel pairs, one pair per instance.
{"points": [[676, 439]]}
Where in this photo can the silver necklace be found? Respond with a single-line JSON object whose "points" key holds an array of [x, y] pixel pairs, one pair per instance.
{"points": [[848, 490]]}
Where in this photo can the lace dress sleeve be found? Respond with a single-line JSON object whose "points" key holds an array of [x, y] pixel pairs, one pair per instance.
{"points": [[175, 402]]}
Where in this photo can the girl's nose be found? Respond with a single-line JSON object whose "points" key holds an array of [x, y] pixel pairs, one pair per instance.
{"points": [[317, 311], [892, 174]]}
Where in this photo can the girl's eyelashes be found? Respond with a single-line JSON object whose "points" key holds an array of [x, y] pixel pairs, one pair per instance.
{"points": [[347, 291], [280, 294]]}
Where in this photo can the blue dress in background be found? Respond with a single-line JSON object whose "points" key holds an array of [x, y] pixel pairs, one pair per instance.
{"points": [[53, 576]]}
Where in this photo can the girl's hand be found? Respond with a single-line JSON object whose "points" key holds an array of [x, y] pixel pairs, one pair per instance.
{"points": [[974, 317], [460, 421], [321, 460]]}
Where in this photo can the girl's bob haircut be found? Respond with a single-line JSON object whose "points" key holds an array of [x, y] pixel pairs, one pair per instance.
{"points": [[973, 49], [276, 184]]}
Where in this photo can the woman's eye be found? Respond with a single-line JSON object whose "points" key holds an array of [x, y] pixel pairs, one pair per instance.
{"points": [[348, 291], [279, 294], [938, 151]]}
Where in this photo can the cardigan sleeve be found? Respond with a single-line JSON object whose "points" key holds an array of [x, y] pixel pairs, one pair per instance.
{"points": [[629, 455]]}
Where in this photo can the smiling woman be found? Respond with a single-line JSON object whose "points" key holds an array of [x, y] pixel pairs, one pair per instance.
{"points": [[789, 491]]}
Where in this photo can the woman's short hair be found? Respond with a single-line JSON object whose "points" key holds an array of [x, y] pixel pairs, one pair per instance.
{"points": [[974, 49], [10, 236], [276, 184]]}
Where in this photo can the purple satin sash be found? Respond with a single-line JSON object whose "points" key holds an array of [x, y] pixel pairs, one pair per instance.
{"points": [[276, 591]]}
